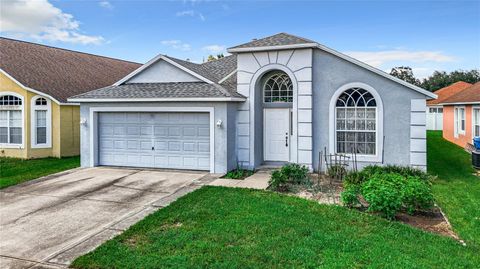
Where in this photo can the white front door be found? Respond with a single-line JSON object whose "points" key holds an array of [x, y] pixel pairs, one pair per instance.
{"points": [[276, 134]]}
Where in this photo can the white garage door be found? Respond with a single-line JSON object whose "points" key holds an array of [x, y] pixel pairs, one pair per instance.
{"points": [[159, 140]]}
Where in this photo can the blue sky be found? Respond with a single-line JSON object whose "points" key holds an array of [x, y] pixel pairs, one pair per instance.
{"points": [[426, 35]]}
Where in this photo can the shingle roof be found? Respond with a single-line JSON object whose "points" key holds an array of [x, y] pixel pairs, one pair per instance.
{"points": [[448, 91], [159, 90], [280, 39], [58, 72], [468, 95]]}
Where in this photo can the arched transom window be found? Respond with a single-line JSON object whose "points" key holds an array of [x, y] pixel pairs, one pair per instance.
{"points": [[356, 122], [278, 88], [11, 120]]}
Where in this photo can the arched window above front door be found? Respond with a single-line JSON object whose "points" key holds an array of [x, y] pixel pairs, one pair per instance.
{"points": [[278, 88]]}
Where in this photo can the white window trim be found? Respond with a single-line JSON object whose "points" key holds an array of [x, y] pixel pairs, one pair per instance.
{"points": [[473, 118], [22, 145], [457, 122], [33, 122], [378, 119], [93, 126]]}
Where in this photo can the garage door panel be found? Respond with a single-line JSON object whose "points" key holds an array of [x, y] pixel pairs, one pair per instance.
{"points": [[179, 140]]}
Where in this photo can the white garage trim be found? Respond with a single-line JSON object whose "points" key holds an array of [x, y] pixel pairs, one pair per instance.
{"points": [[94, 125]]}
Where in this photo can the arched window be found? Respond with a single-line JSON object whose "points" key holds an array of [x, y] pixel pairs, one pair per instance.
{"points": [[356, 122], [278, 88], [40, 122], [11, 122]]}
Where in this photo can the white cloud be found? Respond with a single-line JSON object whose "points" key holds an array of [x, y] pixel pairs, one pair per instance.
{"points": [[378, 58], [41, 20], [105, 4], [176, 44], [190, 13], [214, 49]]}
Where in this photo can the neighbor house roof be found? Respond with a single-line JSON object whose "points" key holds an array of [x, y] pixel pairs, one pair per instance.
{"points": [[448, 91], [280, 39], [470, 95], [59, 73], [157, 91]]}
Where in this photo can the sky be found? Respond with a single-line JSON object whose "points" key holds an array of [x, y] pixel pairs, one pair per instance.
{"points": [[425, 35]]}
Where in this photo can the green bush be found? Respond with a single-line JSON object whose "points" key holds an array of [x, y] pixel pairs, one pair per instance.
{"points": [[355, 178], [417, 194], [383, 194], [278, 181], [296, 174], [388, 189], [289, 174], [238, 173], [350, 196]]}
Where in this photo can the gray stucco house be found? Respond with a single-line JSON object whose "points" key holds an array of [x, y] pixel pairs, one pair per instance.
{"points": [[277, 99]]}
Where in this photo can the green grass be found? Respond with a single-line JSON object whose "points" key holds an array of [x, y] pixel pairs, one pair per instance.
{"points": [[216, 227], [14, 171], [456, 190]]}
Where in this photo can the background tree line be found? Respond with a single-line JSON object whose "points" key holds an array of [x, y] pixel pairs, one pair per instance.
{"points": [[438, 79]]}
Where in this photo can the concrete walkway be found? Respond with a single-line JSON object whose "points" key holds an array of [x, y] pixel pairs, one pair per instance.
{"points": [[47, 223], [259, 181]]}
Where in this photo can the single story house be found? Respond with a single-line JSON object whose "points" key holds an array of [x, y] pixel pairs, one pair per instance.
{"points": [[435, 110], [461, 116], [35, 81], [277, 99]]}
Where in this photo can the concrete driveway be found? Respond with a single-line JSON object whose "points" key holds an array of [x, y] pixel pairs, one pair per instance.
{"points": [[49, 222]]}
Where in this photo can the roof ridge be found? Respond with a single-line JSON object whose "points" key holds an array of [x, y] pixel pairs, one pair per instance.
{"points": [[69, 50]]}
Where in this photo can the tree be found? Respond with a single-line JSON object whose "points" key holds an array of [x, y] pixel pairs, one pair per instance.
{"points": [[213, 58], [405, 73], [440, 79]]}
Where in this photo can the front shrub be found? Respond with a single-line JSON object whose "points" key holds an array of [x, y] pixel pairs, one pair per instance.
{"points": [[238, 174], [417, 195], [278, 181], [288, 175], [350, 196], [337, 171], [389, 189], [296, 174], [383, 194]]}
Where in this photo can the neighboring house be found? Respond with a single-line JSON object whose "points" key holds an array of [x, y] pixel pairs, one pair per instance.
{"points": [[461, 116], [35, 82], [435, 110], [277, 99]]}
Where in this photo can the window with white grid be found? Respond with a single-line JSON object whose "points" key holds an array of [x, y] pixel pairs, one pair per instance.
{"points": [[356, 122], [10, 120], [278, 88]]}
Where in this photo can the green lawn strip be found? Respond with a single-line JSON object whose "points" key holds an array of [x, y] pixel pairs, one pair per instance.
{"points": [[456, 190], [14, 171], [219, 227]]}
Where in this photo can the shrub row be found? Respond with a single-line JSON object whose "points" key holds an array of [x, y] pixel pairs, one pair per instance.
{"points": [[288, 175], [389, 189]]}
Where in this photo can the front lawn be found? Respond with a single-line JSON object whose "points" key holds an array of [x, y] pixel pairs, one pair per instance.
{"points": [[456, 190], [217, 227], [14, 171]]}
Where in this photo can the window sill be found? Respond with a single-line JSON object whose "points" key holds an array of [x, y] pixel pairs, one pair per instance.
{"points": [[46, 146], [11, 146]]}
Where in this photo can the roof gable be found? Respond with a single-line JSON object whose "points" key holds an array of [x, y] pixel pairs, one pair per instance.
{"points": [[57, 72], [160, 72], [448, 91]]}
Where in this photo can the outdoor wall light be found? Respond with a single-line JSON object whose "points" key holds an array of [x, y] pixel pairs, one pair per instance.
{"points": [[219, 123], [83, 121]]}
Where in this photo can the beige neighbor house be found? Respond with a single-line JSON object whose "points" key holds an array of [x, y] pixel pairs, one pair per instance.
{"points": [[35, 81]]}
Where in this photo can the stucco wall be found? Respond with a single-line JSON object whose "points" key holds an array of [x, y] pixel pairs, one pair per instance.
{"points": [[330, 73], [162, 71], [222, 158], [69, 120], [449, 126]]}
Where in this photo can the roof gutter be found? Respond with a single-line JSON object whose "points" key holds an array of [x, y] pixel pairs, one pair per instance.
{"points": [[460, 103], [125, 100]]}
